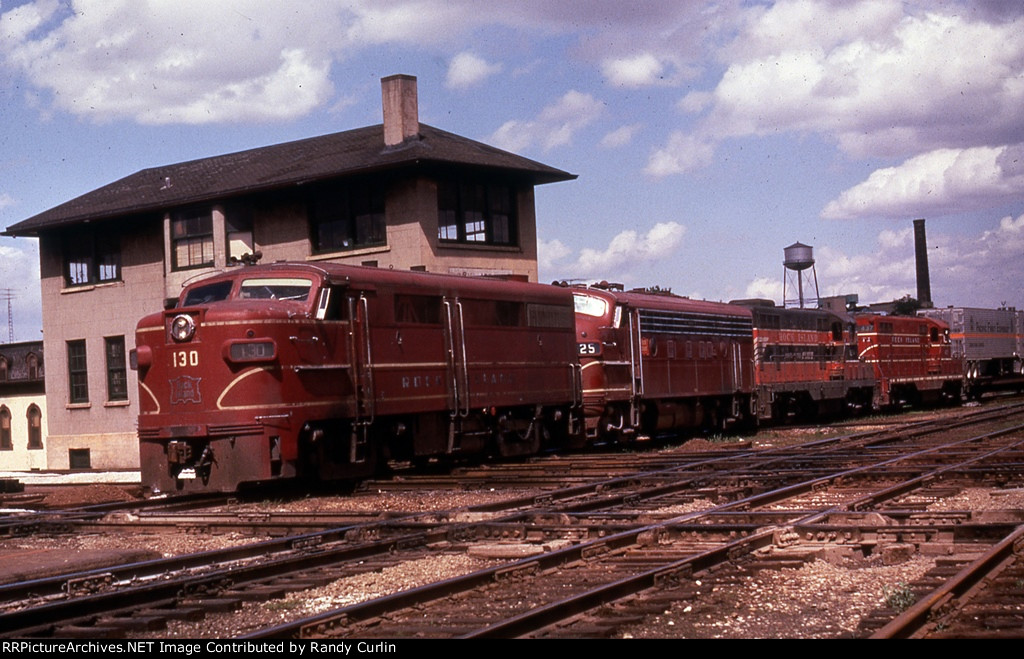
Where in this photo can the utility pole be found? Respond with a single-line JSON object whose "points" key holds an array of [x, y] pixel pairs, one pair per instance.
{"points": [[9, 294]]}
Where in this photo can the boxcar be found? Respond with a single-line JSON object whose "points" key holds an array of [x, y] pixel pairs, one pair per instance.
{"points": [[989, 343]]}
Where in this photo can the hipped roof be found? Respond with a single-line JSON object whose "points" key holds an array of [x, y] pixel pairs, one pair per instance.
{"points": [[281, 166]]}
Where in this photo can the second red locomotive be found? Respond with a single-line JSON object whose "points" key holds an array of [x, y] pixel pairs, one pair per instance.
{"points": [[654, 362]]}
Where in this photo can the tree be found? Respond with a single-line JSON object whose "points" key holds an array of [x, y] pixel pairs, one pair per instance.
{"points": [[905, 306]]}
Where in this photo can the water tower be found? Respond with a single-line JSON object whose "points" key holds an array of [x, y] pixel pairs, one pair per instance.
{"points": [[799, 265]]}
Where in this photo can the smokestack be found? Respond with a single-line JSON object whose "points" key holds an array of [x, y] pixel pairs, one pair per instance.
{"points": [[924, 286], [401, 109]]}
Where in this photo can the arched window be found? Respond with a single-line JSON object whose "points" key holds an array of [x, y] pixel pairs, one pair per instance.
{"points": [[3, 369], [5, 429], [35, 427], [33, 366]]}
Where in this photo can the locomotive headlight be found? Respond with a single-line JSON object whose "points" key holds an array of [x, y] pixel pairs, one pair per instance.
{"points": [[183, 328]]}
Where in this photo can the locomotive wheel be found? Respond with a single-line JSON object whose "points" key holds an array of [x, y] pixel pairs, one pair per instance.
{"points": [[324, 455], [714, 422], [806, 408], [611, 426], [511, 443]]}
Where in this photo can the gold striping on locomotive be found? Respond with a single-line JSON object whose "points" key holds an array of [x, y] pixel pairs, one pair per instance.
{"points": [[241, 376], [142, 385], [400, 365], [604, 363], [231, 323]]}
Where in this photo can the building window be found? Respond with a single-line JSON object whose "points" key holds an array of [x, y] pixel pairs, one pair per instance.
{"points": [[350, 217], [35, 427], [5, 429], [32, 361], [473, 212], [3, 369], [78, 458], [78, 373], [117, 377], [192, 239], [91, 257], [238, 227]]}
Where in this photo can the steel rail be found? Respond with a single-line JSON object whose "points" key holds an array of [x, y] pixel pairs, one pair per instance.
{"points": [[952, 594]]}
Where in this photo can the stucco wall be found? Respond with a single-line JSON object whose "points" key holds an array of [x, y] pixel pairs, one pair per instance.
{"points": [[20, 457], [92, 313]]}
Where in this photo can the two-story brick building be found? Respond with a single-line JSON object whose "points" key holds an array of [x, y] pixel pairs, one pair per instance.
{"points": [[400, 194]]}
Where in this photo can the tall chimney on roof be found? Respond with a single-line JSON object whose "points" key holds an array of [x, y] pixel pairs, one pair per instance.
{"points": [[924, 286], [401, 108]]}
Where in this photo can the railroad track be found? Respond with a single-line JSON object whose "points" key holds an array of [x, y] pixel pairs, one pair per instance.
{"points": [[980, 599], [627, 528], [541, 596], [31, 522]]}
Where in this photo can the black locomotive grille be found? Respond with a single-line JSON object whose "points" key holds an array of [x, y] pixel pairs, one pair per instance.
{"points": [[235, 429], [149, 433], [670, 322]]}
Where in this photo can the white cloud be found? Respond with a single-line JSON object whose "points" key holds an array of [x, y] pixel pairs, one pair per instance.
{"points": [[901, 239], [982, 270], [184, 62], [6, 200], [634, 71], [21, 21], [683, 153], [998, 251], [621, 136], [878, 81], [467, 69], [549, 252], [696, 101], [765, 288], [513, 136], [885, 274], [199, 61], [624, 254], [554, 126], [936, 85], [805, 24], [1009, 234], [292, 90], [935, 183]]}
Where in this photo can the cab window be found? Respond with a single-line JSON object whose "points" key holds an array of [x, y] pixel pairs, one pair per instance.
{"points": [[590, 306], [295, 289], [206, 294]]}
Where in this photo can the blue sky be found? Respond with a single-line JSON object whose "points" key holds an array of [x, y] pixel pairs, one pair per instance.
{"points": [[707, 136]]}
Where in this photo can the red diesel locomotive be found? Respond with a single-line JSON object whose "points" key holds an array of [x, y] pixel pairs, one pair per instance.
{"points": [[656, 362], [805, 363], [911, 357], [289, 370]]}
